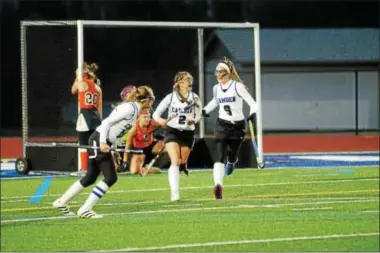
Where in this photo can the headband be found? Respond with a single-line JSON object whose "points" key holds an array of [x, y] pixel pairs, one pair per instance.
{"points": [[222, 65]]}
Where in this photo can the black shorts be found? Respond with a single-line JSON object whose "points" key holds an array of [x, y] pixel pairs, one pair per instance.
{"points": [[230, 131], [184, 138], [147, 151], [96, 153], [88, 119]]}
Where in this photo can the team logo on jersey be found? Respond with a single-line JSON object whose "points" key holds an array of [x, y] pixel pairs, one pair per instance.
{"points": [[227, 99]]}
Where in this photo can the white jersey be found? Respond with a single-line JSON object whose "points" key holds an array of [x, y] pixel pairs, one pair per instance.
{"points": [[182, 111], [230, 98], [121, 119]]}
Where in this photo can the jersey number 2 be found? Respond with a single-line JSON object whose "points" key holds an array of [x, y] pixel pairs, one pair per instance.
{"points": [[91, 99], [227, 108], [182, 120]]}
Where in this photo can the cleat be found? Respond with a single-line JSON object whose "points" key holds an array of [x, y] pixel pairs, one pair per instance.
{"points": [[218, 189], [64, 209], [88, 214], [229, 168], [174, 197]]}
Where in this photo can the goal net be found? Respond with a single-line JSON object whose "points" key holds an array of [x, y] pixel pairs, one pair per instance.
{"points": [[127, 52]]}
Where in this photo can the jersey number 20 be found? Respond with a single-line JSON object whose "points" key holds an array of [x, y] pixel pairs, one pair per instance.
{"points": [[92, 99], [227, 108]]}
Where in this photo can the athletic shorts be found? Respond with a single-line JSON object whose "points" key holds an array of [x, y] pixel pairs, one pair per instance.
{"points": [[147, 151], [88, 119], [227, 130], [184, 138]]}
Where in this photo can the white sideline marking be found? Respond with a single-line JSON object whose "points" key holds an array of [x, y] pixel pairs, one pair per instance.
{"points": [[311, 208], [253, 241], [190, 209], [211, 187]]}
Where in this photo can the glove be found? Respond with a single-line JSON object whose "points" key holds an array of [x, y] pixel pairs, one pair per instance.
{"points": [[124, 167], [252, 117], [205, 114]]}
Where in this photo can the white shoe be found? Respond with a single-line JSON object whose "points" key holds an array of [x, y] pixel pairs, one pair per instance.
{"points": [[88, 214], [63, 208], [174, 196]]}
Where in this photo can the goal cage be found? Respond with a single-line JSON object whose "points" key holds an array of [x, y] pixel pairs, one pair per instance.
{"points": [[46, 146]]}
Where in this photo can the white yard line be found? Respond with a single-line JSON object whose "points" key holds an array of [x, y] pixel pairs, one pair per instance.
{"points": [[312, 208], [210, 187], [188, 210], [253, 241]]}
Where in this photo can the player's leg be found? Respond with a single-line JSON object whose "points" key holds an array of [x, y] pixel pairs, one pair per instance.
{"points": [[90, 178], [218, 170], [137, 162], [186, 146], [234, 142], [173, 172], [106, 165], [157, 146], [234, 145], [221, 136], [151, 153]]}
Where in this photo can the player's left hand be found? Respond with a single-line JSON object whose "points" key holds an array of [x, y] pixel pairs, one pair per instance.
{"points": [[252, 117], [190, 122]]}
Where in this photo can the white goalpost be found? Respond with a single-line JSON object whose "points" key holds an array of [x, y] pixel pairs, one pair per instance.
{"points": [[198, 26]]}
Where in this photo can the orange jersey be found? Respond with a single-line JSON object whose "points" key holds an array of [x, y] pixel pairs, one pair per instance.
{"points": [[89, 99], [143, 137]]}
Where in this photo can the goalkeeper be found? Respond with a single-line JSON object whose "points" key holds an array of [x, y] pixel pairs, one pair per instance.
{"points": [[140, 136]]}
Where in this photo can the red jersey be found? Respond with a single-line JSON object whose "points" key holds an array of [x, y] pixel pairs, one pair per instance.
{"points": [[89, 99], [140, 140]]}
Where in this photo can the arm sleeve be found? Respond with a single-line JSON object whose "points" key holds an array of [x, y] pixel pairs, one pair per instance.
{"points": [[197, 110], [243, 92], [213, 103], [123, 111], [161, 108]]}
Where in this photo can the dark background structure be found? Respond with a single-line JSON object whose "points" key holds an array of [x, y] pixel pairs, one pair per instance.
{"points": [[270, 14]]}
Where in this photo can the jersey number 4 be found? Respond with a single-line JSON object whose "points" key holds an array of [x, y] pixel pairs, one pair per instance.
{"points": [[91, 99], [227, 108]]}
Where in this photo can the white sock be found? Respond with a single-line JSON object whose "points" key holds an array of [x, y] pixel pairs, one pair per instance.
{"points": [[173, 174], [74, 190], [218, 173], [98, 192]]}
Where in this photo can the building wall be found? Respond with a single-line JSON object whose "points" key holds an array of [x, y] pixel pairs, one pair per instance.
{"points": [[313, 99]]}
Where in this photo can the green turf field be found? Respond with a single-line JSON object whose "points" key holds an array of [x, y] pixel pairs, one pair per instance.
{"points": [[267, 210]]}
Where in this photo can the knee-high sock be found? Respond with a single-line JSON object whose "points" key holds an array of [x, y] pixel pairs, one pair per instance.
{"points": [[74, 190], [98, 192], [83, 159], [218, 173], [173, 174]]}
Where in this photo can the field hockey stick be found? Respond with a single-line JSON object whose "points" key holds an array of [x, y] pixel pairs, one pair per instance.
{"points": [[74, 145], [260, 164], [151, 163]]}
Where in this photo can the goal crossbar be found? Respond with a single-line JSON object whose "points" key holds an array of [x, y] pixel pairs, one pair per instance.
{"points": [[80, 24], [104, 23]]}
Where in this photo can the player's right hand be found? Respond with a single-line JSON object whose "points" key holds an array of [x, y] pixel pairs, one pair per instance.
{"points": [[124, 167], [104, 147]]}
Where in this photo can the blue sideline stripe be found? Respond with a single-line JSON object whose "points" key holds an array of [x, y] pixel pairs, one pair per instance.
{"points": [[42, 189]]}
